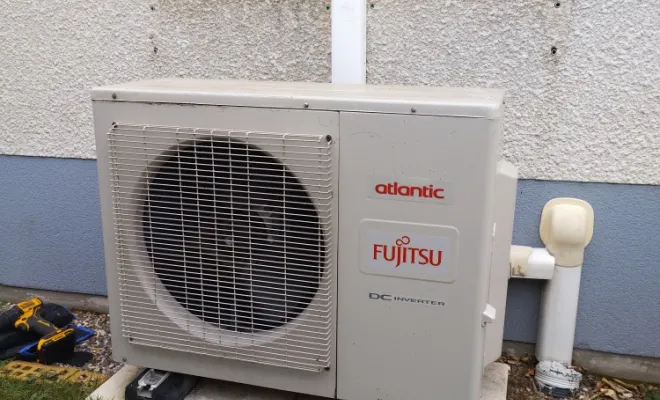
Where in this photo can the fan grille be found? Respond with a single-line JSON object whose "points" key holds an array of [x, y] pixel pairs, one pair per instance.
{"points": [[227, 236], [264, 263]]}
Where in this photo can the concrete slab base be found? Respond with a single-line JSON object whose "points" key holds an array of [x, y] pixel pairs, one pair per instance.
{"points": [[494, 385], [113, 388], [210, 389], [495, 382]]}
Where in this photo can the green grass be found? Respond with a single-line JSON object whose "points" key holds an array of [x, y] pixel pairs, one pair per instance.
{"points": [[12, 389], [40, 389]]}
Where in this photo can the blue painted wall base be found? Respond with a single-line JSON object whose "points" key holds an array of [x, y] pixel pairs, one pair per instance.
{"points": [[50, 225], [50, 238]]}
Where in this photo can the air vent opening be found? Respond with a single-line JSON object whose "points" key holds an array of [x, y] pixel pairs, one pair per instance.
{"points": [[233, 235]]}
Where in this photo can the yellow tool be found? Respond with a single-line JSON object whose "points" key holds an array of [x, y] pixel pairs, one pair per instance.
{"points": [[55, 344]]}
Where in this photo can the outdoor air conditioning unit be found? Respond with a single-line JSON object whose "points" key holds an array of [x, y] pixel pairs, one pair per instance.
{"points": [[339, 241]]}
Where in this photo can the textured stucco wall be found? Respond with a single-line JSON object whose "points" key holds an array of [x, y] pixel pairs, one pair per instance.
{"points": [[53, 52], [50, 238], [591, 112]]}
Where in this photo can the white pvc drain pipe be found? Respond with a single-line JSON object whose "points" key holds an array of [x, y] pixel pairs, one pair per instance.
{"points": [[349, 41], [558, 312], [566, 229]]}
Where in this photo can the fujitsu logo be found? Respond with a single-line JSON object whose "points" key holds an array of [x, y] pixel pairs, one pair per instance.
{"points": [[423, 192], [401, 253]]}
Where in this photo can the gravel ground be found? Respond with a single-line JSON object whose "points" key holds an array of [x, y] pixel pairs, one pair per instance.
{"points": [[99, 344], [522, 387]]}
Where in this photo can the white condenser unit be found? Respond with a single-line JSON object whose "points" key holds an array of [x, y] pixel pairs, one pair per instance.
{"points": [[347, 242]]}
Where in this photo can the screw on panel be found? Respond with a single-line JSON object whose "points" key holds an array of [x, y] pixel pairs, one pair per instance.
{"points": [[557, 4], [327, 368], [327, 6], [372, 5], [124, 359], [153, 8], [155, 50], [413, 110], [328, 138], [114, 124], [553, 50], [306, 105], [114, 96]]}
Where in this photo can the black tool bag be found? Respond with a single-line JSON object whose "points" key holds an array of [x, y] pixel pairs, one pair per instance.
{"points": [[13, 341]]}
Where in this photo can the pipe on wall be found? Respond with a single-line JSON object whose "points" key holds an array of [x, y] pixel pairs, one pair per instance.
{"points": [[566, 228], [349, 41], [559, 305], [531, 263]]}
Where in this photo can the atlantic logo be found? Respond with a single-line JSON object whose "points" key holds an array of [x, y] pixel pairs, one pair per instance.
{"points": [[435, 191], [402, 253], [422, 192]]}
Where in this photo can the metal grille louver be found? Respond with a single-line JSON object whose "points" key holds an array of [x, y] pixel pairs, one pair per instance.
{"points": [[224, 242]]}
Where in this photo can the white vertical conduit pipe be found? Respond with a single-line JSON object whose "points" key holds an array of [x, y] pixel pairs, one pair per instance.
{"points": [[566, 228], [559, 304], [349, 41]]}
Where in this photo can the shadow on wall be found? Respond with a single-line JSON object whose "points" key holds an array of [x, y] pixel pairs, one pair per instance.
{"points": [[50, 238]]}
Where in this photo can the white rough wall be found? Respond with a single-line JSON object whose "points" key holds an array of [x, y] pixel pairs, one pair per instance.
{"points": [[589, 113], [53, 52]]}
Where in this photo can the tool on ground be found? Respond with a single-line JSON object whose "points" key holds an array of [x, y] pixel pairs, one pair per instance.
{"points": [[31, 316], [155, 384], [28, 352]]}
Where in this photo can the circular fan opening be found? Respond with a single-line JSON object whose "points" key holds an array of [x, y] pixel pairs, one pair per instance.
{"points": [[233, 235]]}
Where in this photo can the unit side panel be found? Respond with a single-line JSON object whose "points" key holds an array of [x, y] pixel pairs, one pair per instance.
{"points": [[415, 232]]}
